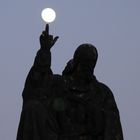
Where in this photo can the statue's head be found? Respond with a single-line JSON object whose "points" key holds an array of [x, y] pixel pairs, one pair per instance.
{"points": [[84, 60]]}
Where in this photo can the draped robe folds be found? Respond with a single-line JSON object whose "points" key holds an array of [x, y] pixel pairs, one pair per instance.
{"points": [[55, 110]]}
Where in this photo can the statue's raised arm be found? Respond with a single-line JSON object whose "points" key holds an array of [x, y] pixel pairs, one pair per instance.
{"points": [[42, 66], [47, 41]]}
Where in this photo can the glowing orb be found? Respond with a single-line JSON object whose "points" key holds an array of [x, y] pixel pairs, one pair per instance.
{"points": [[48, 15]]}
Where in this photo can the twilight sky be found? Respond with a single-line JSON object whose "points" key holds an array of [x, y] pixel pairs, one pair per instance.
{"points": [[113, 26]]}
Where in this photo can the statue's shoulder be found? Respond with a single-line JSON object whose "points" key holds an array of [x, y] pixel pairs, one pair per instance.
{"points": [[105, 89], [58, 82], [57, 79]]}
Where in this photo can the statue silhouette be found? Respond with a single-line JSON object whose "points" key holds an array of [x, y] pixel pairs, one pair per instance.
{"points": [[71, 106]]}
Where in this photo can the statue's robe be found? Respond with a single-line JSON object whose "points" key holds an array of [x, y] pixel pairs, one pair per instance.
{"points": [[54, 109]]}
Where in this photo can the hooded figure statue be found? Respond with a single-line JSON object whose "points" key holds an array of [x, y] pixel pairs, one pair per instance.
{"points": [[71, 106], [84, 59]]}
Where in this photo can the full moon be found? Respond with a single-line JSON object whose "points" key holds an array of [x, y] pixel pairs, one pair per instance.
{"points": [[48, 15]]}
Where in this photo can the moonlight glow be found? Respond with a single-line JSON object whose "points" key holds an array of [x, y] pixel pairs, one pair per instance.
{"points": [[48, 15]]}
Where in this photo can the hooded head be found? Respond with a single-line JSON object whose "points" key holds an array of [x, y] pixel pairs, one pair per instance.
{"points": [[84, 60]]}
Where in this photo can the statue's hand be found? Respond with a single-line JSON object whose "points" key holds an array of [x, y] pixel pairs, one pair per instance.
{"points": [[46, 40]]}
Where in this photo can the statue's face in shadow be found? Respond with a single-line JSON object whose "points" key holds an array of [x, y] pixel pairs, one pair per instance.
{"points": [[83, 62], [85, 58]]}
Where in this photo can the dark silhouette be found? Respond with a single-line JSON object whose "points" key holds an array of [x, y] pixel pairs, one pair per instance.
{"points": [[74, 106]]}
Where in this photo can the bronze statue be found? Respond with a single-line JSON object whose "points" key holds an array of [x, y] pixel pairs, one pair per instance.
{"points": [[71, 106]]}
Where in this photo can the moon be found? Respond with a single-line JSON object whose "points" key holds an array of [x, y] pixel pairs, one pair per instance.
{"points": [[48, 15]]}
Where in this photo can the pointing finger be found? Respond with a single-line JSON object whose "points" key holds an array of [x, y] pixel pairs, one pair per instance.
{"points": [[47, 29]]}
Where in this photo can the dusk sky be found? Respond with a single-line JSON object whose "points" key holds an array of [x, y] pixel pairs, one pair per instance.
{"points": [[113, 26]]}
